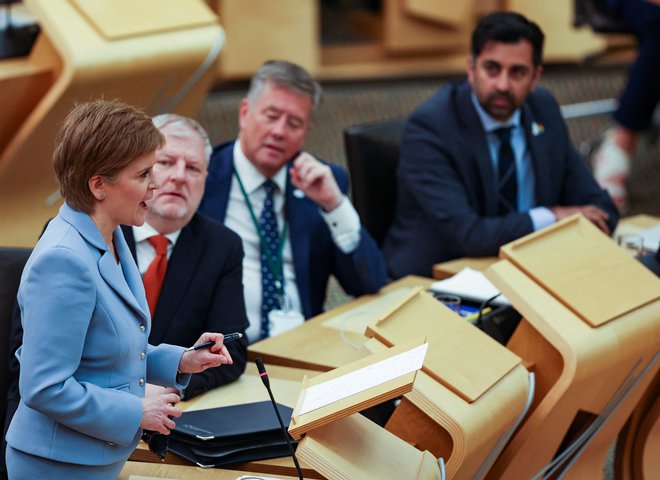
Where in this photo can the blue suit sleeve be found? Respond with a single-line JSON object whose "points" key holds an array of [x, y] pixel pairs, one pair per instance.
{"points": [[363, 270]]}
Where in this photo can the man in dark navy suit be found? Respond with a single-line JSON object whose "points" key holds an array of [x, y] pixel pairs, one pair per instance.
{"points": [[202, 289], [291, 210], [488, 160]]}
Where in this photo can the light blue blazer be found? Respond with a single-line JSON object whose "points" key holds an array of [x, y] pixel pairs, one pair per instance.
{"points": [[85, 357]]}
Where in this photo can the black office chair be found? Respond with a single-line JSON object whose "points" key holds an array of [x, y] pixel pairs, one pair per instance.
{"points": [[12, 261], [372, 152]]}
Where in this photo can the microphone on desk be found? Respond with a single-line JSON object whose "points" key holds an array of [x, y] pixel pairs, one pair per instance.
{"points": [[264, 378]]}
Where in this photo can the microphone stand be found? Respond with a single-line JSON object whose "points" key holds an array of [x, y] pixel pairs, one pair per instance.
{"points": [[264, 378]]}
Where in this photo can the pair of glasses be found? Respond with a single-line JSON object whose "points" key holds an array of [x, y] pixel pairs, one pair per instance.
{"points": [[157, 443]]}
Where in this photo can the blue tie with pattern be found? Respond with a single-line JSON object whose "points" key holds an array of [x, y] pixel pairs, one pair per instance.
{"points": [[270, 280], [507, 184]]}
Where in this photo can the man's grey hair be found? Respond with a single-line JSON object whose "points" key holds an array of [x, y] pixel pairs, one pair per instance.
{"points": [[181, 127], [286, 75]]}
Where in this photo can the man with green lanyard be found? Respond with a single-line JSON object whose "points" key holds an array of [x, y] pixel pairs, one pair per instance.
{"points": [[290, 209]]}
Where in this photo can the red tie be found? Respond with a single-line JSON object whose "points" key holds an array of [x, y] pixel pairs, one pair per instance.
{"points": [[155, 274]]}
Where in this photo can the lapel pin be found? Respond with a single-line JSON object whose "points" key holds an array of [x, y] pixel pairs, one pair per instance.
{"points": [[537, 129]]}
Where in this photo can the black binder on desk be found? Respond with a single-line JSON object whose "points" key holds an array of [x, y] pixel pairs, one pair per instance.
{"points": [[221, 436]]}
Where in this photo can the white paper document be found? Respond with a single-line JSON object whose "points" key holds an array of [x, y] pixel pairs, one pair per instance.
{"points": [[470, 284], [325, 393]]}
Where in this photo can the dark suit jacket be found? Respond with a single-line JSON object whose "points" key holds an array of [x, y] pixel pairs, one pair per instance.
{"points": [[315, 255], [447, 199], [202, 292]]}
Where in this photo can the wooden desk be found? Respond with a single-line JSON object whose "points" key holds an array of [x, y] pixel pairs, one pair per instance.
{"points": [[452, 267], [331, 339], [635, 223], [285, 384], [627, 226], [435, 418], [144, 471], [591, 366], [160, 61], [634, 457]]}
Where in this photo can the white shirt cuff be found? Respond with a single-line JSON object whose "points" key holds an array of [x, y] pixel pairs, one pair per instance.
{"points": [[541, 217], [344, 224]]}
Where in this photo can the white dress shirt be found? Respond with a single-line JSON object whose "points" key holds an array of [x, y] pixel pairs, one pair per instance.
{"points": [[144, 251], [344, 224], [525, 176]]}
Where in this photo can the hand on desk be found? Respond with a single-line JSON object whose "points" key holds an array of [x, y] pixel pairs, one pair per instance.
{"points": [[597, 216]]}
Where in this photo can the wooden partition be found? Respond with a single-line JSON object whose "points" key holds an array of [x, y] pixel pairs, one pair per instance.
{"points": [[590, 333], [159, 55], [470, 394], [401, 38], [636, 456]]}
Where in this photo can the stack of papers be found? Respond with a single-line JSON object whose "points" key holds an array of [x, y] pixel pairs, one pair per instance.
{"points": [[470, 284]]}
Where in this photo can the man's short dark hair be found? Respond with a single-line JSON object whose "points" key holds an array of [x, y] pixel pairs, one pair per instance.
{"points": [[508, 27]]}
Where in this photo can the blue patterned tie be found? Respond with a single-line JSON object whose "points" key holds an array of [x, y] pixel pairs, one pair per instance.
{"points": [[269, 258], [507, 184]]}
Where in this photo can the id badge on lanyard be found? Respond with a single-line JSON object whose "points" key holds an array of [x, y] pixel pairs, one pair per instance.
{"points": [[284, 318]]}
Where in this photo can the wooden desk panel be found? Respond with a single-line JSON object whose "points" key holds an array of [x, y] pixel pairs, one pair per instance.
{"points": [[460, 357], [452, 267], [597, 376], [113, 20], [627, 226], [318, 344], [144, 471], [584, 269], [159, 72], [636, 455]]}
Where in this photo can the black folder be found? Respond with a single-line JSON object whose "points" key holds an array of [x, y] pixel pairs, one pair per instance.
{"points": [[240, 433]]}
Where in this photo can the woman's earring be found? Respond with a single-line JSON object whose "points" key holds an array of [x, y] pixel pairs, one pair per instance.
{"points": [[101, 196]]}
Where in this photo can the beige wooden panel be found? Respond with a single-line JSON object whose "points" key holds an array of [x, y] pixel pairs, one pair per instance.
{"points": [[451, 13], [156, 72], [467, 435], [451, 267], [128, 18], [22, 85], [373, 60], [317, 344], [635, 225], [601, 372], [460, 357], [260, 30], [563, 42], [584, 269], [149, 471], [403, 33], [356, 448]]}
